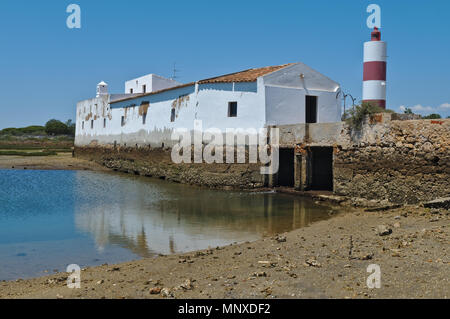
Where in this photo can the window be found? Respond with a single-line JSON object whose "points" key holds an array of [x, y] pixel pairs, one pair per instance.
{"points": [[122, 122], [92, 124], [232, 109], [104, 123], [82, 125], [144, 118], [144, 88], [131, 91], [172, 115], [311, 109]]}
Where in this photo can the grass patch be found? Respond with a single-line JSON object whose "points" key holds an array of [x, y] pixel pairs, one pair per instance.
{"points": [[19, 153], [25, 147]]}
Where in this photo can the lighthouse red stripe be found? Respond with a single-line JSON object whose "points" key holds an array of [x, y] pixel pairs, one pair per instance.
{"points": [[374, 71], [380, 103]]}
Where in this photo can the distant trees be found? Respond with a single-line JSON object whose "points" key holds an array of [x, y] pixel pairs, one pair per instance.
{"points": [[55, 127], [433, 116]]}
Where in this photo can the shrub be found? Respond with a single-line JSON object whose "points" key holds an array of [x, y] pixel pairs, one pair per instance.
{"points": [[55, 127], [360, 112], [433, 116]]}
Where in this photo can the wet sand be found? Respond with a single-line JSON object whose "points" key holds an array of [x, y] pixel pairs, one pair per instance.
{"points": [[62, 161], [328, 259]]}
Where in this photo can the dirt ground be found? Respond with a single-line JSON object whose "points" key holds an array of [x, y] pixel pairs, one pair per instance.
{"points": [[328, 259], [62, 161]]}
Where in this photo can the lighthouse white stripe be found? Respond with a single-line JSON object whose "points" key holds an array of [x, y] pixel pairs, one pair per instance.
{"points": [[375, 51], [374, 90]]}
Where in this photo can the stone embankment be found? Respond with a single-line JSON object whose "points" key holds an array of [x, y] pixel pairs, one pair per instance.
{"points": [[158, 163], [398, 161]]}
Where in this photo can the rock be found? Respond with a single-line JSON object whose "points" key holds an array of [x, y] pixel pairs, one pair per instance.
{"points": [[58, 296], [260, 274], [366, 257], [383, 230], [280, 239], [100, 282], [313, 263], [166, 292], [187, 285], [438, 203], [155, 290], [397, 225]]}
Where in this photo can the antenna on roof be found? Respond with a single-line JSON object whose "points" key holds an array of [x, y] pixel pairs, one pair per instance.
{"points": [[175, 70]]}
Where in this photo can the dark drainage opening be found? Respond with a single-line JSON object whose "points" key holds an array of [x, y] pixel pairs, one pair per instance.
{"points": [[286, 168], [322, 168]]}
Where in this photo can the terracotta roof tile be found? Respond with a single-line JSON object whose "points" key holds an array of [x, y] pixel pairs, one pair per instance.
{"points": [[244, 76]]}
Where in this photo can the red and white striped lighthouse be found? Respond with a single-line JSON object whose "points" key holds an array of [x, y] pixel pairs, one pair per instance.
{"points": [[374, 79]]}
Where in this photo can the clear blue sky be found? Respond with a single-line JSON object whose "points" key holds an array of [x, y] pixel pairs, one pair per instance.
{"points": [[45, 68]]}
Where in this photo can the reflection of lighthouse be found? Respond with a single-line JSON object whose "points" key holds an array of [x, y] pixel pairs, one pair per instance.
{"points": [[374, 85]]}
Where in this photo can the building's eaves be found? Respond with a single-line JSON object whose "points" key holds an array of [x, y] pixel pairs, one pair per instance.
{"points": [[153, 93], [249, 75]]}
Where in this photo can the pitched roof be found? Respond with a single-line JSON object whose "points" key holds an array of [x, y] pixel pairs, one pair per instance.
{"points": [[249, 75]]}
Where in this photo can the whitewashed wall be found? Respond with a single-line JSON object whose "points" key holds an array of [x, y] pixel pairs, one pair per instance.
{"points": [[286, 90], [153, 83], [275, 99]]}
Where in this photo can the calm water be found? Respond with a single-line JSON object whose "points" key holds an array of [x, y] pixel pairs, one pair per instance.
{"points": [[50, 219]]}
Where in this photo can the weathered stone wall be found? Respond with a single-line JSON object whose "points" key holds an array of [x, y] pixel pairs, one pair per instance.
{"points": [[398, 161], [158, 163]]}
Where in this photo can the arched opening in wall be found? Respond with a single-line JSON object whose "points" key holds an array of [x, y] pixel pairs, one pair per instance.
{"points": [[286, 167], [321, 168]]}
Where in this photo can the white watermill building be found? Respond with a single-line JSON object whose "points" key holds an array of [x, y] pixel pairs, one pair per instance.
{"points": [[153, 106]]}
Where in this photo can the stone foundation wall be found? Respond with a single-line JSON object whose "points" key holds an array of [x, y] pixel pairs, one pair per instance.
{"points": [[398, 161], [158, 163]]}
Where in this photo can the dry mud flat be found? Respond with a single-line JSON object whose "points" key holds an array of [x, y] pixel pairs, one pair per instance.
{"points": [[328, 259]]}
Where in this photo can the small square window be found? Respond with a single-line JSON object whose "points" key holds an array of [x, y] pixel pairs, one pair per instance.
{"points": [[172, 115], [232, 109]]}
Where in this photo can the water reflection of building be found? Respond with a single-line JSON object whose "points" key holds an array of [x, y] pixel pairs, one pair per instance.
{"points": [[151, 217]]}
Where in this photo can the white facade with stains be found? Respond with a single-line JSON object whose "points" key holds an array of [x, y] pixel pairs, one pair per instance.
{"points": [[255, 98]]}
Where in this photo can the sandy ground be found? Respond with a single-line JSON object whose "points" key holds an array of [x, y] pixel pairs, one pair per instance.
{"points": [[62, 161], [328, 259]]}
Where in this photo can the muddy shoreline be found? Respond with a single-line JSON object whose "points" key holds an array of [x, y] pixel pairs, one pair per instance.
{"points": [[327, 259], [62, 161]]}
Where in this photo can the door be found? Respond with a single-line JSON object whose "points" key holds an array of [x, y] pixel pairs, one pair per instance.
{"points": [[322, 168], [311, 109]]}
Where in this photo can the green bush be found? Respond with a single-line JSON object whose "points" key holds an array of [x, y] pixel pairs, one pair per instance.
{"points": [[357, 115]]}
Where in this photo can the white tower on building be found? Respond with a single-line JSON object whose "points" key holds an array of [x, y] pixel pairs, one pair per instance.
{"points": [[102, 89]]}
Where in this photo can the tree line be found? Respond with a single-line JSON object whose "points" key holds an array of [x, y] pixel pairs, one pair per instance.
{"points": [[52, 127]]}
